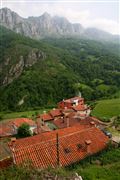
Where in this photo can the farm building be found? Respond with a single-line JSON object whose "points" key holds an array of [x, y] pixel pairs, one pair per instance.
{"points": [[69, 103]]}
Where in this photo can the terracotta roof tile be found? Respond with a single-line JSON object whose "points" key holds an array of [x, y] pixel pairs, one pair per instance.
{"points": [[73, 120], [65, 122], [56, 112], [41, 127], [79, 107], [19, 121], [46, 117], [41, 150], [6, 129], [5, 163]]}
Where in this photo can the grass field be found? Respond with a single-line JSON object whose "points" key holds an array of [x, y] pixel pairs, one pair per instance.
{"points": [[108, 170], [116, 95], [29, 114], [104, 109], [107, 108]]}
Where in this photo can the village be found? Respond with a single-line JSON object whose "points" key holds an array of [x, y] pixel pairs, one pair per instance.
{"points": [[63, 136]]}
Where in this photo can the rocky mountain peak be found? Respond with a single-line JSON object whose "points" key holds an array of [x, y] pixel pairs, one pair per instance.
{"points": [[38, 27], [46, 15], [47, 26]]}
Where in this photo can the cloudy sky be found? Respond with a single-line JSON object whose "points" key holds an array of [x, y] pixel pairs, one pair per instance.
{"points": [[102, 14]]}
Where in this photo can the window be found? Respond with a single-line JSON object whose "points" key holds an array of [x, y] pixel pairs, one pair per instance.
{"points": [[67, 150]]}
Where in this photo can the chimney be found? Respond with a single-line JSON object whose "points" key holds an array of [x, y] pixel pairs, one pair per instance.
{"points": [[12, 141], [92, 123], [88, 142]]}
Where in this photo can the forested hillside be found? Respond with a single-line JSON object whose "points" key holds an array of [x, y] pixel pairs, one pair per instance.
{"points": [[41, 73]]}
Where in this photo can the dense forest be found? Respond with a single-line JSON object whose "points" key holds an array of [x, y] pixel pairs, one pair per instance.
{"points": [[69, 65]]}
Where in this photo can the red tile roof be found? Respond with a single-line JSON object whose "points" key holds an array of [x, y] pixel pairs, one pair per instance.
{"points": [[41, 128], [89, 120], [19, 121], [6, 129], [5, 163], [73, 120], [56, 112], [67, 110], [63, 122], [46, 117], [41, 150], [79, 107]]}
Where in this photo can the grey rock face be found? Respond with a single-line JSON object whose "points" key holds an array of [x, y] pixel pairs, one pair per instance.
{"points": [[47, 26], [16, 70], [39, 27], [33, 57], [10, 19]]}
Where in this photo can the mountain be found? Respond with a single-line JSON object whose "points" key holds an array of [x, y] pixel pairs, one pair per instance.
{"points": [[38, 27], [97, 34], [47, 26], [41, 73]]}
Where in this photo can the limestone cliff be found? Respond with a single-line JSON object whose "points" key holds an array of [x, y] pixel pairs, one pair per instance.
{"points": [[14, 70], [39, 27], [48, 26]]}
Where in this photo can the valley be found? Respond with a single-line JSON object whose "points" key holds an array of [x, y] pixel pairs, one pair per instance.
{"points": [[59, 99], [71, 65]]}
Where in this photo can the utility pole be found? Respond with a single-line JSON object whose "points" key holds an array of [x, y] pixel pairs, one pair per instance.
{"points": [[57, 148]]}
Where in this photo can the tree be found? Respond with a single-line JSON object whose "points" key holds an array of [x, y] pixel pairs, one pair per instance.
{"points": [[24, 130]]}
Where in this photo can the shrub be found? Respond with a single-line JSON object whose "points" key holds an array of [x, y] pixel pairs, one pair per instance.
{"points": [[24, 130]]}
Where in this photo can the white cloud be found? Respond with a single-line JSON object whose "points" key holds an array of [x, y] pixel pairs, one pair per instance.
{"points": [[84, 18], [104, 24], [72, 11]]}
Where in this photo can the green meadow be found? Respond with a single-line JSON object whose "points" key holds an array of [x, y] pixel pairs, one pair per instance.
{"points": [[104, 109], [28, 114], [107, 108]]}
